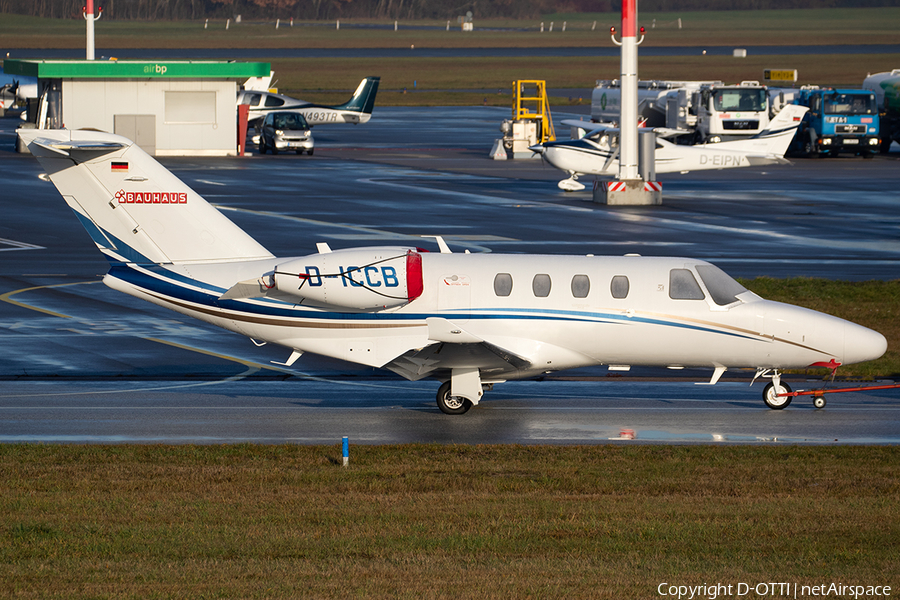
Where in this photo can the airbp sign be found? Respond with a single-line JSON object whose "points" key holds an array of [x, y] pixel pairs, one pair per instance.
{"points": [[131, 69]]}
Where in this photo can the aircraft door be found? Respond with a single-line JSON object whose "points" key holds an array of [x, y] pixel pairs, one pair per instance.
{"points": [[455, 297]]}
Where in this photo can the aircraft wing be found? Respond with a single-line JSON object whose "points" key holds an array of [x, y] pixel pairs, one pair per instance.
{"points": [[586, 125], [591, 127], [454, 347], [666, 132]]}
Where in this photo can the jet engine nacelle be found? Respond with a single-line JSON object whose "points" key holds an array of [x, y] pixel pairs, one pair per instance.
{"points": [[367, 279]]}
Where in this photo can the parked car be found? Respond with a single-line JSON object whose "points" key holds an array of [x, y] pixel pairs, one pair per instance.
{"points": [[285, 131]]}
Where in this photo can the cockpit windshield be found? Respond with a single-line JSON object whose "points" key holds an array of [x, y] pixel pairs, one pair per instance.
{"points": [[290, 121], [723, 289], [740, 99], [850, 104]]}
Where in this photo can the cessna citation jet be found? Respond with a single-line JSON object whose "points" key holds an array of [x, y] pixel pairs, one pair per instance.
{"points": [[597, 153], [467, 320], [356, 110]]}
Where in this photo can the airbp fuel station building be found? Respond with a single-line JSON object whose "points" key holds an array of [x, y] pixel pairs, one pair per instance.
{"points": [[169, 108]]}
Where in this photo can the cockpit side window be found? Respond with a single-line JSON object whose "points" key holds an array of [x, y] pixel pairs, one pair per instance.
{"points": [[683, 285], [273, 101], [723, 289]]}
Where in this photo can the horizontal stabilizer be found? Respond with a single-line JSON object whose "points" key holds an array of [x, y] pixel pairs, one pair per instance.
{"points": [[64, 148], [134, 208], [771, 159]]}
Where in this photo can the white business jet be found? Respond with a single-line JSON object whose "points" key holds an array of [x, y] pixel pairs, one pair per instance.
{"points": [[467, 320], [356, 110], [597, 153]]}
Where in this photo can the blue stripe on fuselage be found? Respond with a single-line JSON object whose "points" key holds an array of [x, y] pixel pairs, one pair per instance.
{"points": [[176, 287]]}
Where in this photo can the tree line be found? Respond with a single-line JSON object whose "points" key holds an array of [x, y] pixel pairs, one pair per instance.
{"points": [[391, 9]]}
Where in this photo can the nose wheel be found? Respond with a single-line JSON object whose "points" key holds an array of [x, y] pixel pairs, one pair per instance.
{"points": [[773, 399]]}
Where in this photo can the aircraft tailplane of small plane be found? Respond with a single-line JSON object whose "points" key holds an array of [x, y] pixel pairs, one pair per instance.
{"points": [[467, 320], [597, 153]]}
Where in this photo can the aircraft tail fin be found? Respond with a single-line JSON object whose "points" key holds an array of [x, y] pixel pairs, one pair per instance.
{"points": [[134, 208], [363, 99], [259, 84], [788, 119], [774, 140]]}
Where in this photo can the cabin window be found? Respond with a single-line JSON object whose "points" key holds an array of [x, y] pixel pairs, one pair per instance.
{"points": [[503, 284], [540, 285], [581, 286], [251, 99], [683, 285], [723, 289], [619, 286], [274, 101]]}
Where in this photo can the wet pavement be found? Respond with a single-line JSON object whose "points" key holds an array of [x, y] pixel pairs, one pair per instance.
{"points": [[80, 362]]}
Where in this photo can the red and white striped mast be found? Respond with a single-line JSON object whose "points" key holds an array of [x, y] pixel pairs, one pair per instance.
{"points": [[628, 87], [634, 185], [88, 13]]}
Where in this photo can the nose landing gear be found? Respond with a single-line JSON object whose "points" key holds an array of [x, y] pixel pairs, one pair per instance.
{"points": [[775, 394]]}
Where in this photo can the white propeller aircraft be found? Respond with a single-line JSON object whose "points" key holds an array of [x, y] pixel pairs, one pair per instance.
{"points": [[597, 153], [16, 87], [467, 320], [356, 110]]}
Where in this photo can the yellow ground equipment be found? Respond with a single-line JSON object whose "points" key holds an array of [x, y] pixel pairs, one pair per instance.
{"points": [[531, 122]]}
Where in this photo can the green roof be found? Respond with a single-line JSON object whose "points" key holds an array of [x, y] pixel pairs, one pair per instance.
{"points": [[135, 69]]}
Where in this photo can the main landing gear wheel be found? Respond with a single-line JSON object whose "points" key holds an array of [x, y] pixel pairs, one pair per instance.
{"points": [[819, 402], [451, 405], [773, 400]]}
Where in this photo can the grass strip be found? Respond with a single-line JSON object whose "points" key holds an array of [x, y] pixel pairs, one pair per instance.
{"points": [[477, 80], [428, 521], [703, 28], [443, 78]]}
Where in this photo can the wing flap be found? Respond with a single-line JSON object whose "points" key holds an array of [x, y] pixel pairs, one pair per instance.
{"points": [[455, 348]]}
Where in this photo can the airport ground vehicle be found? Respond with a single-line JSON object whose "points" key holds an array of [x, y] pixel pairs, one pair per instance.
{"points": [[706, 111], [837, 121], [285, 131], [886, 87]]}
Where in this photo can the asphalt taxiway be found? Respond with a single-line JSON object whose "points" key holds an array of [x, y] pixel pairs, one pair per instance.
{"points": [[79, 362]]}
